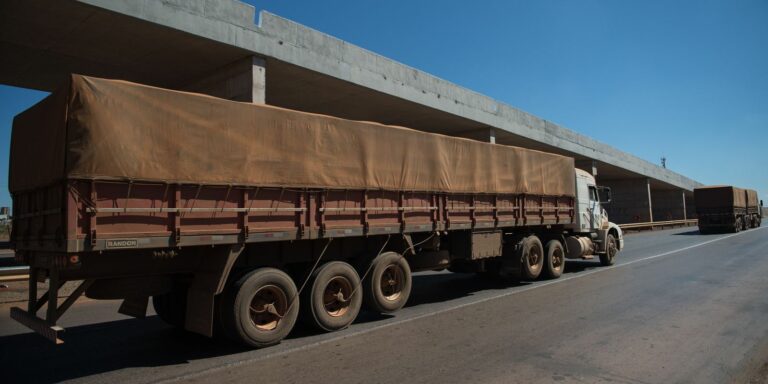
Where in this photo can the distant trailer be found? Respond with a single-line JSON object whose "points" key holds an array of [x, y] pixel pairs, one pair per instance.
{"points": [[722, 208]]}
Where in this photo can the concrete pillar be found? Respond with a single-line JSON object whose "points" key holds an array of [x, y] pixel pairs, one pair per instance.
{"points": [[588, 165], [487, 135], [630, 202], [650, 199], [242, 80], [669, 204], [685, 209]]}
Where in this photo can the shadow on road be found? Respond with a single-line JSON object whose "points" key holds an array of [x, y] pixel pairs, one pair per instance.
{"points": [[104, 347], [694, 232], [150, 343], [442, 287], [573, 266], [110, 346]]}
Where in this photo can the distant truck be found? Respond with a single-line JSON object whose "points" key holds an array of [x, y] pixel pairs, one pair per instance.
{"points": [[724, 208], [238, 219]]}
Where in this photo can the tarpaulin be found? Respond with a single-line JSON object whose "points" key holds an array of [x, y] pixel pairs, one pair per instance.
{"points": [[108, 129]]}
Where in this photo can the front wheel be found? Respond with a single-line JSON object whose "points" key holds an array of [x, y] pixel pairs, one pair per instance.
{"points": [[609, 257], [260, 309]]}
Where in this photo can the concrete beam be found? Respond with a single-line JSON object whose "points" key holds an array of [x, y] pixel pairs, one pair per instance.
{"points": [[280, 39], [243, 80]]}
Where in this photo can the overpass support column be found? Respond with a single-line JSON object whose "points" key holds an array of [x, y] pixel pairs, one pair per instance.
{"points": [[487, 135], [685, 209], [631, 201], [587, 165], [242, 80], [669, 205]]}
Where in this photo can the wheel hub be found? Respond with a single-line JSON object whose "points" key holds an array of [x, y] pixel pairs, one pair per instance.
{"points": [[336, 296], [268, 306], [392, 282]]}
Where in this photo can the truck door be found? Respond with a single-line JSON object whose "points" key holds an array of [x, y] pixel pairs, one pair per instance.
{"points": [[595, 210]]}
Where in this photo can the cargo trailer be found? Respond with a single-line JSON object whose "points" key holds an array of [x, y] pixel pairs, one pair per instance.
{"points": [[239, 219]]}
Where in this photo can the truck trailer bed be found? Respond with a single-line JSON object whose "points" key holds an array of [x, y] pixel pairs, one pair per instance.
{"points": [[104, 164]]}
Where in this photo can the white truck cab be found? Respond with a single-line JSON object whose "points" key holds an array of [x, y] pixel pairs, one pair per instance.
{"points": [[592, 233]]}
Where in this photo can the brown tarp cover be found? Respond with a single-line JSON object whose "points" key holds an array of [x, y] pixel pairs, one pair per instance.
{"points": [[106, 129], [752, 201], [719, 196]]}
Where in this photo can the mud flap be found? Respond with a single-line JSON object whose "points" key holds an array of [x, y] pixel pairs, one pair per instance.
{"points": [[209, 280], [134, 307]]}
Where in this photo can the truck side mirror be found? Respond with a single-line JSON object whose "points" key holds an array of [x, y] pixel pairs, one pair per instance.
{"points": [[605, 195], [761, 203]]}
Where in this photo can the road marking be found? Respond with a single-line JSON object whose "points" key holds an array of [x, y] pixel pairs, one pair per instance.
{"points": [[304, 347]]}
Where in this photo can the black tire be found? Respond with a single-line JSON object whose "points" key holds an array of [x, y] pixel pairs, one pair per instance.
{"points": [[388, 284], [609, 257], [333, 298], [171, 307], [554, 259], [531, 256], [260, 308], [737, 225]]}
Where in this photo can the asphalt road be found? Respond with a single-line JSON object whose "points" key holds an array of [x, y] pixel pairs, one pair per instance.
{"points": [[677, 307]]}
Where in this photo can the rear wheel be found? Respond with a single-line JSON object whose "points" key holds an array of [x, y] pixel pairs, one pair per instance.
{"points": [[260, 309], [737, 225], [333, 299], [554, 259], [609, 257], [388, 284], [531, 255]]}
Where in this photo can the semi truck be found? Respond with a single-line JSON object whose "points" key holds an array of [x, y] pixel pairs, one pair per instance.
{"points": [[240, 220], [727, 208]]}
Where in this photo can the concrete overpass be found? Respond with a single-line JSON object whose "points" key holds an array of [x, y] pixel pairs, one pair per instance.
{"points": [[220, 48]]}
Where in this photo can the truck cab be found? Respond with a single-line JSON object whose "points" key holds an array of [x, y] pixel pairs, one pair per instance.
{"points": [[593, 232]]}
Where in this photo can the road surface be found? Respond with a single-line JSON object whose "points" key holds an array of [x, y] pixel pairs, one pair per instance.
{"points": [[677, 307]]}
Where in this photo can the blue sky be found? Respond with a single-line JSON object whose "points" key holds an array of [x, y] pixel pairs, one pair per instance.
{"points": [[683, 79]]}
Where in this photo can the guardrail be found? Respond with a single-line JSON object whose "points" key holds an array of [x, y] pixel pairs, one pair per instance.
{"points": [[658, 224]]}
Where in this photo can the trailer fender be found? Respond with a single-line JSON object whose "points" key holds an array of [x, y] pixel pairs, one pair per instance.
{"points": [[209, 280]]}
